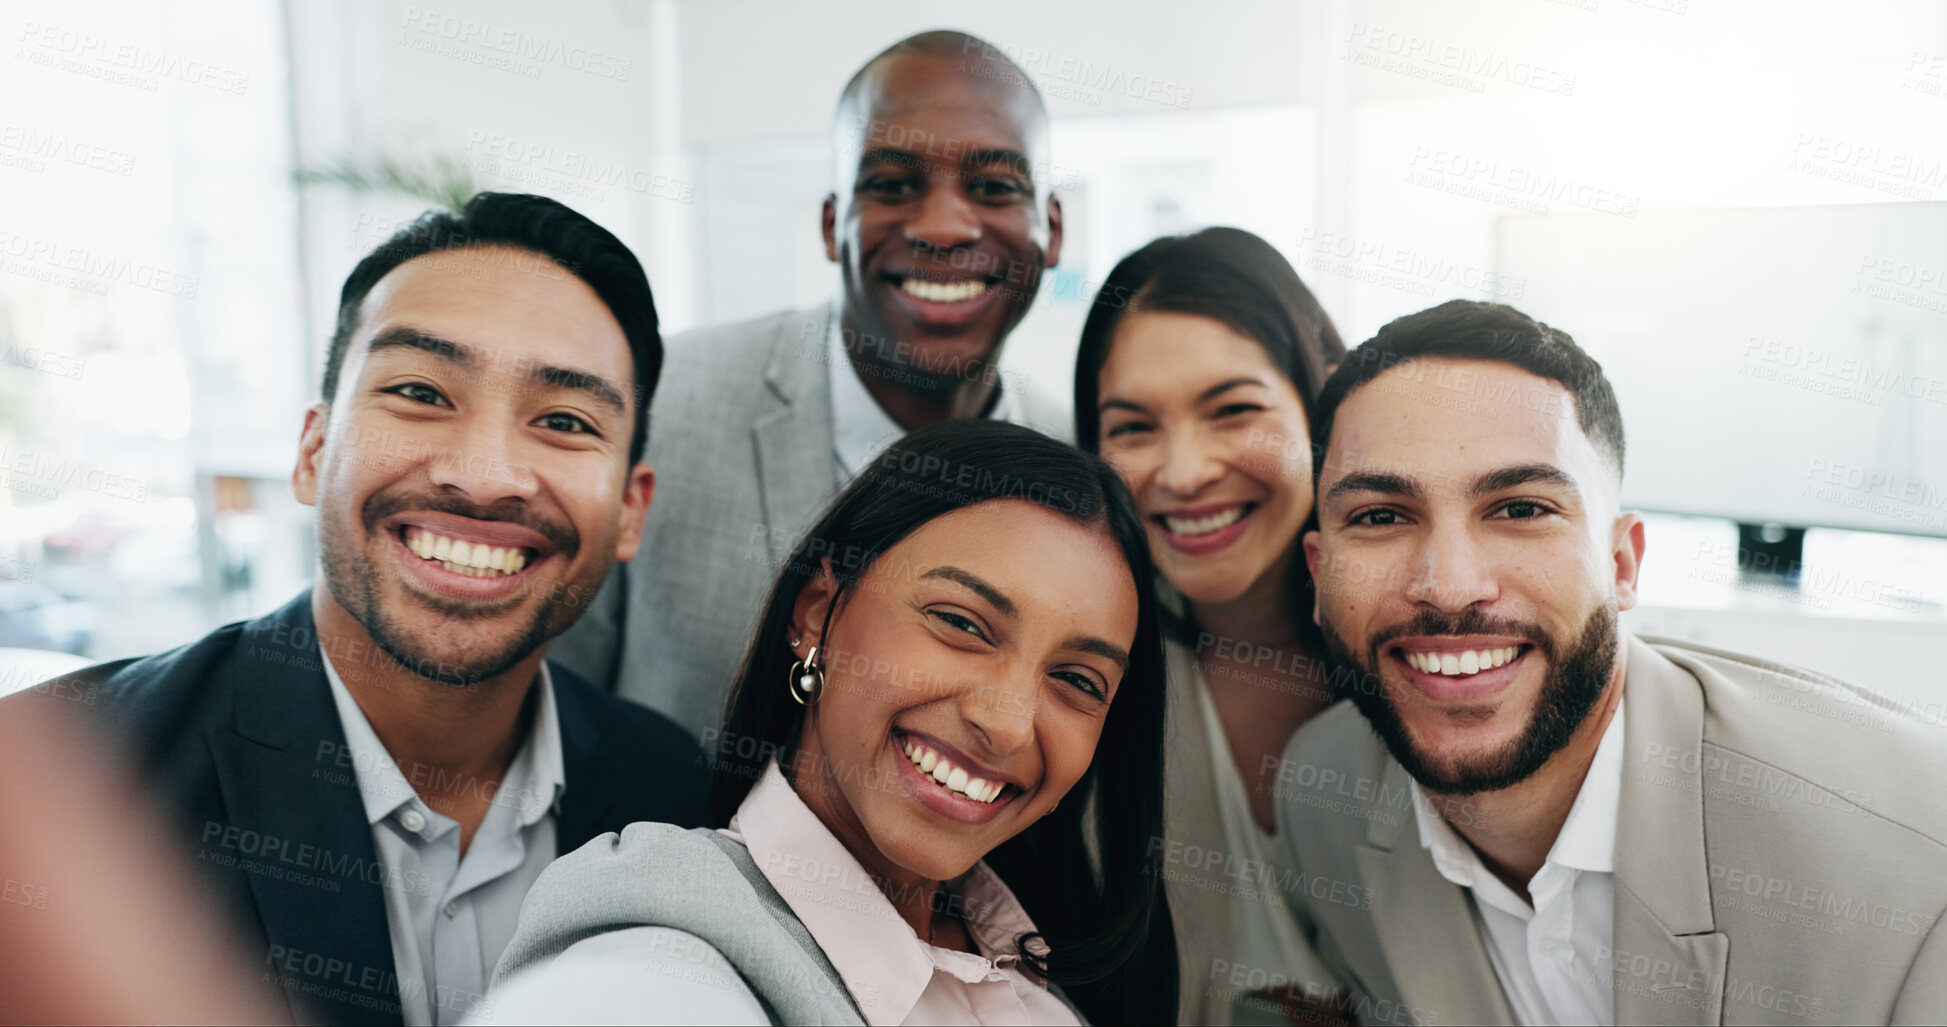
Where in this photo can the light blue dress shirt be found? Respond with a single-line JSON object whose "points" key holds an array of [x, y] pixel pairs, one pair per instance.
{"points": [[451, 916]]}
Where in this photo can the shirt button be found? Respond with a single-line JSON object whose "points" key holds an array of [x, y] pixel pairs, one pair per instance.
{"points": [[412, 820], [452, 908]]}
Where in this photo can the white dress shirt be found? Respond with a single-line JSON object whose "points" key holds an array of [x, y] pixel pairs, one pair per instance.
{"points": [[451, 916], [1553, 958], [861, 428]]}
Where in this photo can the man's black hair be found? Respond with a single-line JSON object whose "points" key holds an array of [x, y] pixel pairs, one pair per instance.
{"points": [[577, 245], [1469, 330]]}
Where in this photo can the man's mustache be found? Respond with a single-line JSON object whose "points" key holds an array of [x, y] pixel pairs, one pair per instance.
{"points": [[562, 537], [1471, 622]]}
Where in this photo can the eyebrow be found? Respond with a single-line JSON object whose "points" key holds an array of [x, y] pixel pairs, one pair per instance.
{"points": [[1202, 397], [979, 587], [1499, 480], [1090, 644], [970, 160], [408, 337], [1515, 477], [1080, 643]]}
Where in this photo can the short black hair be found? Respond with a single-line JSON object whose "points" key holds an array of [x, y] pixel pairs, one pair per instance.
{"points": [[944, 43], [535, 223], [1470, 330]]}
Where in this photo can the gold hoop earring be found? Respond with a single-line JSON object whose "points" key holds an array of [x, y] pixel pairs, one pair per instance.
{"points": [[807, 678]]}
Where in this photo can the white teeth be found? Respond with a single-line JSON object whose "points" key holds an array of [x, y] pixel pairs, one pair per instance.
{"points": [[475, 559], [950, 776], [1203, 525], [942, 292], [1461, 664]]}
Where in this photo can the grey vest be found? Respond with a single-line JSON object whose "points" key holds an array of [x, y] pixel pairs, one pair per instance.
{"points": [[699, 882]]}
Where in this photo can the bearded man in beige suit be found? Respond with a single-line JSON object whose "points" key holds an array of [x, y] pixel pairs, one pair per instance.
{"points": [[1543, 819]]}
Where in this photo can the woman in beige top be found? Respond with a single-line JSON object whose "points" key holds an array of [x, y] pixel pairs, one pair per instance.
{"points": [[961, 656], [1192, 380]]}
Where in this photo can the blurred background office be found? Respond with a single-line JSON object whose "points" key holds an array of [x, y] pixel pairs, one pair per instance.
{"points": [[1739, 207]]}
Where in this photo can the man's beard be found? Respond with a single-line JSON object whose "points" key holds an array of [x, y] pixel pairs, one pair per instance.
{"points": [[1576, 679], [354, 581]]}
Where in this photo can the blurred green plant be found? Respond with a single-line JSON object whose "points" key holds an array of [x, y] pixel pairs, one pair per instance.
{"points": [[444, 180]]}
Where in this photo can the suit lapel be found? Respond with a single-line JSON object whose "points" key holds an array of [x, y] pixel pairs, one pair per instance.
{"points": [[793, 437], [301, 837], [1426, 923], [588, 792], [1670, 961]]}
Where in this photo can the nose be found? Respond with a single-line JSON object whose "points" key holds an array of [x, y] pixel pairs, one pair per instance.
{"points": [[942, 219], [1450, 572], [1189, 464], [484, 464], [1000, 712]]}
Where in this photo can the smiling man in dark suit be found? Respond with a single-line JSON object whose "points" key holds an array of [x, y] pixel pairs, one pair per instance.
{"points": [[376, 773]]}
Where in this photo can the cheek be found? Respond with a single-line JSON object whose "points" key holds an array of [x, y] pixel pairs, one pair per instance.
{"points": [[1134, 467], [1068, 742]]}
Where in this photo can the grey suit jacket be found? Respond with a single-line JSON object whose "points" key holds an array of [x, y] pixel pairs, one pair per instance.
{"points": [[740, 435], [1781, 857]]}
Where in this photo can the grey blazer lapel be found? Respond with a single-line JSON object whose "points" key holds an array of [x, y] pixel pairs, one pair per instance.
{"points": [[793, 436], [1670, 960], [1426, 923]]}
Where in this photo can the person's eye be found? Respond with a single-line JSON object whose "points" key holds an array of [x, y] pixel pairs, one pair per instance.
{"points": [[1377, 517], [1233, 409], [958, 622], [1126, 428], [891, 187], [418, 392], [1523, 510], [567, 423], [1084, 682], [994, 188]]}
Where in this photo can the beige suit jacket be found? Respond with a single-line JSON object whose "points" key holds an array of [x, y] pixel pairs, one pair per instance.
{"points": [[1781, 857]]}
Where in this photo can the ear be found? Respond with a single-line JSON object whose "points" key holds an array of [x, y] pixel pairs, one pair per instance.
{"points": [[1054, 231], [310, 446], [809, 610], [636, 494], [1312, 560], [828, 224], [1628, 551]]}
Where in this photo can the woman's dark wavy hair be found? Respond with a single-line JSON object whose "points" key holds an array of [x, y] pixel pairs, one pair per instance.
{"points": [[1110, 942], [1237, 279]]}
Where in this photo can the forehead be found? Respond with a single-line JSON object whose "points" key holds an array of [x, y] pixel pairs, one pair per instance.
{"points": [[507, 302], [916, 100], [1178, 352], [1042, 560], [1441, 419]]}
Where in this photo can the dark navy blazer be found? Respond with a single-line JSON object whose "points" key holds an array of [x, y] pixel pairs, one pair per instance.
{"points": [[239, 737]]}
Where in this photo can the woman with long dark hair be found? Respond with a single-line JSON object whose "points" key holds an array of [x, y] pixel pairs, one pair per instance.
{"points": [[1193, 378], [961, 655]]}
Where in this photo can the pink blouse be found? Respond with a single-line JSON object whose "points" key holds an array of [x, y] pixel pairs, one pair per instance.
{"points": [[893, 975]]}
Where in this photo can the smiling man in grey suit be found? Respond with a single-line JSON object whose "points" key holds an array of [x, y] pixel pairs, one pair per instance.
{"points": [[1525, 815], [941, 222]]}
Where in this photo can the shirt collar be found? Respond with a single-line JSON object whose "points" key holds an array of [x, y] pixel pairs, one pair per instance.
{"points": [[535, 778], [861, 428], [885, 965], [1587, 840]]}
